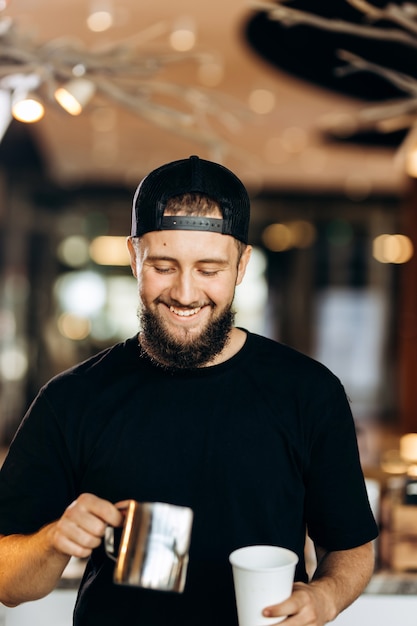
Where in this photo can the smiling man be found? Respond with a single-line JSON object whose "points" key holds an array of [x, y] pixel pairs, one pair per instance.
{"points": [[255, 437], [186, 287], [188, 258]]}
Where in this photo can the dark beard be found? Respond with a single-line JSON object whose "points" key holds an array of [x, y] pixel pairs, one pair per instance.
{"points": [[172, 354]]}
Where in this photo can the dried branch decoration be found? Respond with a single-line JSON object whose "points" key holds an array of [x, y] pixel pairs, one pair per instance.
{"points": [[127, 74], [399, 113]]}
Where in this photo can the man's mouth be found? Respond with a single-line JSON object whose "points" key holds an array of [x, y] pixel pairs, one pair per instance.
{"points": [[185, 312]]}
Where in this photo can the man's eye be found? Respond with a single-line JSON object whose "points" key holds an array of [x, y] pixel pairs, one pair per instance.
{"points": [[163, 270], [209, 272]]}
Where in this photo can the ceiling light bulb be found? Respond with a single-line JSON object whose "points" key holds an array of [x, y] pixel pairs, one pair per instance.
{"points": [[183, 35], [182, 40], [27, 107], [74, 96], [100, 21]]}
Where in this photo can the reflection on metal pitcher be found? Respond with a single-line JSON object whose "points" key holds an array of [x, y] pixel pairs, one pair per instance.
{"points": [[154, 546]]}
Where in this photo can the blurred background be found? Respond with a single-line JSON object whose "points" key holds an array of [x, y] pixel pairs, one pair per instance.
{"points": [[314, 111]]}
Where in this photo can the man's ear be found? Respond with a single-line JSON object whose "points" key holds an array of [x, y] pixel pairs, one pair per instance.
{"points": [[243, 263], [132, 252]]}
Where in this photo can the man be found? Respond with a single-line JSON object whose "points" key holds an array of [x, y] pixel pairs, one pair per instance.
{"points": [[256, 438]]}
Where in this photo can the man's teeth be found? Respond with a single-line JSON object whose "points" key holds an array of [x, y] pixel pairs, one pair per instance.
{"points": [[184, 312]]}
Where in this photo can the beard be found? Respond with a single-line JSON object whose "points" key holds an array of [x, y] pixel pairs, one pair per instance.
{"points": [[174, 354]]}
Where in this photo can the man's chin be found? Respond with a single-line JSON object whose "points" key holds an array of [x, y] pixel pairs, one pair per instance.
{"points": [[183, 336], [184, 348]]}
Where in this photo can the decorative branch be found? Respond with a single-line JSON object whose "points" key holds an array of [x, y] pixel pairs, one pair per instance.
{"points": [[294, 17], [401, 15], [126, 73], [402, 81], [383, 117]]}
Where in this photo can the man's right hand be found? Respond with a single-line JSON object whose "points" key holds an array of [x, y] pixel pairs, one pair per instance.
{"points": [[83, 524]]}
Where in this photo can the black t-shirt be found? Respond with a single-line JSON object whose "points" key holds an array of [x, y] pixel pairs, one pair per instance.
{"points": [[261, 447]]}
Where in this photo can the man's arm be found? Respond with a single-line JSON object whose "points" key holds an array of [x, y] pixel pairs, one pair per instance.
{"points": [[339, 579], [31, 565]]}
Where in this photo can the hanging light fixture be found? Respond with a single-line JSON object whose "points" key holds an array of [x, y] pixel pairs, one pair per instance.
{"points": [[27, 107], [75, 95], [101, 15]]}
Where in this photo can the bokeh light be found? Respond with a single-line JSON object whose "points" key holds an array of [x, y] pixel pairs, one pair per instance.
{"points": [[81, 293], [106, 250], [73, 326], [261, 101], [13, 363], [99, 21], [73, 251], [293, 234], [392, 248]]}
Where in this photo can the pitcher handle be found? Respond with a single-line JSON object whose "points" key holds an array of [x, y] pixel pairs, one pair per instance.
{"points": [[109, 532], [109, 543]]}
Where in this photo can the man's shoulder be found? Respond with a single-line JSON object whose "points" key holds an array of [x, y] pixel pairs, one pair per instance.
{"points": [[266, 346], [270, 353], [107, 363]]}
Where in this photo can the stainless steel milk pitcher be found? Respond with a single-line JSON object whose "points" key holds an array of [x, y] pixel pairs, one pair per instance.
{"points": [[154, 545]]}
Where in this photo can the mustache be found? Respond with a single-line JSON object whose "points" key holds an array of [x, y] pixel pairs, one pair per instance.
{"points": [[180, 305]]}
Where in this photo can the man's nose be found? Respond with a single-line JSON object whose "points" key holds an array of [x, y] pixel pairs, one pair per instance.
{"points": [[184, 289]]}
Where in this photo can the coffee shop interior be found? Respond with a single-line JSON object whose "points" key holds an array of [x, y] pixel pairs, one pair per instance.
{"points": [[313, 106]]}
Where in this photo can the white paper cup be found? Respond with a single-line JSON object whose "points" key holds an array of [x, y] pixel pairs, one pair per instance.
{"points": [[263, 575]]}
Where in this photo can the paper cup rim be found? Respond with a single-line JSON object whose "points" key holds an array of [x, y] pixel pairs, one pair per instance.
{"points": [[290, 553]]}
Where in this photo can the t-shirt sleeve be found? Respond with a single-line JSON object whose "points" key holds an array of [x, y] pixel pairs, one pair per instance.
{"points": [[338, 513], [36, 480]]}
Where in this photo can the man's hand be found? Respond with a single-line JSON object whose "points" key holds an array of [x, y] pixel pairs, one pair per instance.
{"points": [[31, 565], [339, 579], [83, 524], [305, 607]]}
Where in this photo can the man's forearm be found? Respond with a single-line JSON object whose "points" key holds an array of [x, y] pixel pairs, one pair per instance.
{"points": [[341, 576], [29, 566]]}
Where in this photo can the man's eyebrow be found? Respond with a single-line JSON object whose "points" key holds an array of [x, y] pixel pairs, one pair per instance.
{"points": [[213, 261], [157, 257], [210, 261]]}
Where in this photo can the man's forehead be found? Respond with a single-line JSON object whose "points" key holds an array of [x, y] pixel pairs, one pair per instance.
{"points": [[207, 243]]}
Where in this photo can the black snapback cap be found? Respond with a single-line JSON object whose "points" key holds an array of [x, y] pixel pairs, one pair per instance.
{"points": [[193, 175]]}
